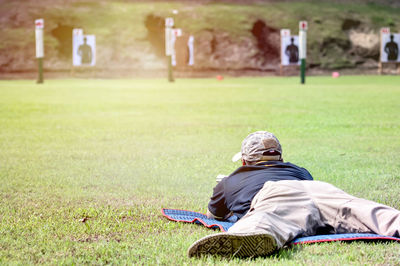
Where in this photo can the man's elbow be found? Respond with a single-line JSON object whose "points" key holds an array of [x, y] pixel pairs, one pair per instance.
{"points": [[210, 215]]}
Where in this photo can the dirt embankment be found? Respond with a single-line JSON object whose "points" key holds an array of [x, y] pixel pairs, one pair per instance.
{"points": [[352, 43]]}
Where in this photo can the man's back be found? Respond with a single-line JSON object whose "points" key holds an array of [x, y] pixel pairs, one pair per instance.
{"points": [[235, 193]]}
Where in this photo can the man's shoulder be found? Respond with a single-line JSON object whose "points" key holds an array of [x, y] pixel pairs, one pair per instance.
{"points": [[266, 165], [276, 164], [290, 165]]}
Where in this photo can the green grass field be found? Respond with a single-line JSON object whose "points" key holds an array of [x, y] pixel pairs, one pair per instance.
{"points": [[86, 165]]}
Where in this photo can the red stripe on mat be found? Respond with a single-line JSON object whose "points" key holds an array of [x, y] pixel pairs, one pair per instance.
{"points": [[347, 239]]}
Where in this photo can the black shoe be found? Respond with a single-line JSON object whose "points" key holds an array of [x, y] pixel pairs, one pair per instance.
{"points": [[234, 245]]}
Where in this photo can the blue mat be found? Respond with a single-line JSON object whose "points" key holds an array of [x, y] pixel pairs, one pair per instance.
{"points": [[201, 219]]}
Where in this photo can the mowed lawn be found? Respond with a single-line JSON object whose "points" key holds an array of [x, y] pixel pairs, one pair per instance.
{"points": [[86, 165]]}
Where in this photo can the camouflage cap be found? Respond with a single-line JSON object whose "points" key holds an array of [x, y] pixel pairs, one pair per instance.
{"points": [[261, 145]]}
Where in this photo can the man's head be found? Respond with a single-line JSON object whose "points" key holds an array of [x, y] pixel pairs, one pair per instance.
{"points": [[261, 146]]}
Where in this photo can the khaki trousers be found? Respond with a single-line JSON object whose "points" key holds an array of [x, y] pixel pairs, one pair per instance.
{"points": [[290, 209]]}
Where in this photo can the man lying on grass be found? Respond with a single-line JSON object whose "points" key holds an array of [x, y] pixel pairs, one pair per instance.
{"points": [[277, 202]]}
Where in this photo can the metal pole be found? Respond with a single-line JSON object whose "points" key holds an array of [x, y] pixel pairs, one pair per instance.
{"points": [[303, 50], [169, 22], [40, 67], [170, 70], [303, 71]]}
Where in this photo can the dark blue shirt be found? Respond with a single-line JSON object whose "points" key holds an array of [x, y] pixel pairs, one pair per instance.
{"points": [[235, 192]]}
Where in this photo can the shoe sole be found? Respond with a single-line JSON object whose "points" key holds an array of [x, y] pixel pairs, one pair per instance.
{"points": [[233, 245]]}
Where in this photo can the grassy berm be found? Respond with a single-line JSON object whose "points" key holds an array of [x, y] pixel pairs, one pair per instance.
{"points": [[86, 165], [342, 34]]}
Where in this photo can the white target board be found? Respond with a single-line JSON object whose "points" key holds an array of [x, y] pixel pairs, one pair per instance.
{"points": [[290, 50], [390, 47], [84, 50], [39, 25], [191, 50]]}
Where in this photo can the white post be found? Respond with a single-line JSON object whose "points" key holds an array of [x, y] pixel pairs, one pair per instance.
{"points": [[175, 33], [191, 50], [284, 33], [39, 25], [76, 33], [384, 31]]}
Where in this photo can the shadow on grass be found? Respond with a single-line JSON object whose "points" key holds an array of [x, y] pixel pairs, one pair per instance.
{"points": [[286, 252]]}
